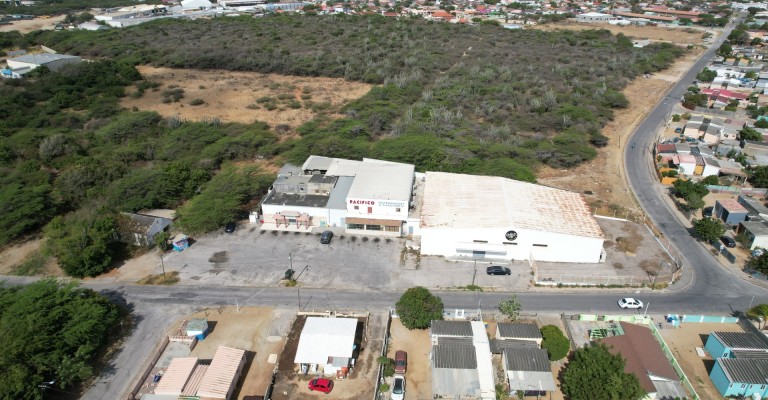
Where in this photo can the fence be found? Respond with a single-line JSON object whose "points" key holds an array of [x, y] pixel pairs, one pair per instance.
{"points": [[385, 345], [737, 190], [720, 248], [602, 280], [671, 357], [710, 318]]}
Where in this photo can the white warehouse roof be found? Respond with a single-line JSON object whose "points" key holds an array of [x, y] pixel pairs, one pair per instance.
{"points": [[382, 180], [469, 201], [322, 338]]}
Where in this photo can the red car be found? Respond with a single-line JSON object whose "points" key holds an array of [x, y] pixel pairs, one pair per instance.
{"points": [[321, 385]]}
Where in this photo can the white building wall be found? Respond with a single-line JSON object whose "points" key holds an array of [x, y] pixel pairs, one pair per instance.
{"points": [[759, 241], [687, 168], [336, 217], [554, 247], [710, 170], [318, 214], [379, 209]]}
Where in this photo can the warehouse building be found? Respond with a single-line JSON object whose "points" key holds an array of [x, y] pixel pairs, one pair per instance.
{"points": [[364, 197], [492, 217]]}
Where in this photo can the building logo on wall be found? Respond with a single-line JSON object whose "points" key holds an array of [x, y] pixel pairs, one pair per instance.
{"points": [[511, 235]]}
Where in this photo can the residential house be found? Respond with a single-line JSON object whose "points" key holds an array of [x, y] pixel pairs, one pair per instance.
{"points": [[461, 361], [645, 359], [528, 369], [686, 163], [740, 377], [730, 211], [327, 346], [518, 331], [595, 17], [756, 232], [23, 64], [731, 344], [754, 148], [741, 363], [140, 229]]}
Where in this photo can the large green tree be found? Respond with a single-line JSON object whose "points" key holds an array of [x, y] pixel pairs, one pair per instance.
{"points": [[595, 374], [758, 176], [511, 307], [418, 307], [750, 134], [556, 344], [759, 312], [708, 229], [50, 332], [759, 264], [83, 242]]}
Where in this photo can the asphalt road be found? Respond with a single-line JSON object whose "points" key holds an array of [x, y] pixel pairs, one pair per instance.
{"points": [[709, 279]]}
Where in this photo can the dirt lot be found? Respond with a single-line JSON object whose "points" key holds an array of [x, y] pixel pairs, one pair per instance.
{"points": [[249, 329], [360, 382], [683, 342], [12, 256], [417, 344], [674, 35], [244, 96], [604, 176], [29, 25]]}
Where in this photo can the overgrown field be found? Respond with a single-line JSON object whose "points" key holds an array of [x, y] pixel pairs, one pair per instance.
{"points": [[473, 99]]}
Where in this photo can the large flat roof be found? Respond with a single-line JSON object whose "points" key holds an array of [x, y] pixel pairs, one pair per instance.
{"points": [[469, 201], [42, 58], [382, 180], [176, 376], [322, 338]]}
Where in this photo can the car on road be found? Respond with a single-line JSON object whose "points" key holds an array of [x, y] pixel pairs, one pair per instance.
{"points": [[326, 237], [401, 362], [629, 302], [398, 388], [231, 226], [728, 241], [498, 270], [321, 385]]}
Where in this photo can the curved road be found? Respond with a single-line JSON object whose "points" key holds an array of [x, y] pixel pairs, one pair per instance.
{"points": [[709, 278]]}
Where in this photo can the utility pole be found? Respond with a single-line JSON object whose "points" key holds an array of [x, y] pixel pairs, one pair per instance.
{"points": [[162, 265], [474, 273]]}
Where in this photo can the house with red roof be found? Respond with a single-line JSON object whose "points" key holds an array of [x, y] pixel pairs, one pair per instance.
{"points": [[645, 359]]}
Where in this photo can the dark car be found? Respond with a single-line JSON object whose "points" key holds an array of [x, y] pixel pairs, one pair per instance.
{"points": [[498, 270], [706, 212], [231, 226], [728, 241], [401, 362], [326, 237], [321, 385]]}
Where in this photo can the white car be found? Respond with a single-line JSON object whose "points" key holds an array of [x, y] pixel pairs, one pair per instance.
{"points": [[398, 388], [629, 302]]}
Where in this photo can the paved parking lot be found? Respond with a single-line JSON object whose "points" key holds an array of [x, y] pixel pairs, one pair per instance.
{"points": [[260, 258]]}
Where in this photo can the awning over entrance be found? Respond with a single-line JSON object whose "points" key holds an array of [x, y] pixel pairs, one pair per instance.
{"points": [[371, 221], [485, 247]]}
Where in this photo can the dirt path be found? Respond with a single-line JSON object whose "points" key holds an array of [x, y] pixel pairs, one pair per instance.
{"points": [[682, 36], [604, 176]]}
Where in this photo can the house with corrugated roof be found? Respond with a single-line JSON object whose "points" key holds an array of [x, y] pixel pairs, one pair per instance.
{"points": [[741, 363], [460, 358], [645, 359]]}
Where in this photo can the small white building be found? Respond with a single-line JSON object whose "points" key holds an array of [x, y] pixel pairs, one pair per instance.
{"points": [[593, 17], [53, 62], [326, 345], [486, 216], [188, 5]]}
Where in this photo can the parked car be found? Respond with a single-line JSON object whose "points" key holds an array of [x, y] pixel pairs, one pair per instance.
{"points": [[629, 302], [231, 226], [728, 241], [757, 252], [678, 130], [498, 270], [398, 388], [401, 362], [321, 385], [326, 237], [706, 212]]}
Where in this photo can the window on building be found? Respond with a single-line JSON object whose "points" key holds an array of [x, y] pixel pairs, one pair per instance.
{"points": [[480, 241], [397, 209], [762, 387], [357, 207], [392, 228], [355, 226], [373, 227], [743, 385], [512, 243], [540, 245], [370, 210]]}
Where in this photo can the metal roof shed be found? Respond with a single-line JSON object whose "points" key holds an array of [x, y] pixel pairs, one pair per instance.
{"points": [[323, 338], [176, 376], [221, 378]]}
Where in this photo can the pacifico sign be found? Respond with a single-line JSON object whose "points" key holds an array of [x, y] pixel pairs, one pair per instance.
{"points": [[362, 202]]}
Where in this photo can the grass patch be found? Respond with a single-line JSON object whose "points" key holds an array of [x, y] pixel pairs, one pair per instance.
{"points": [[168, 278], [290, 283], [32, 265], [470, 288]]}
